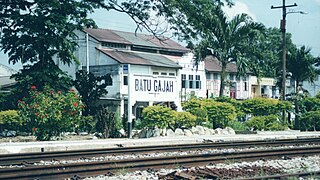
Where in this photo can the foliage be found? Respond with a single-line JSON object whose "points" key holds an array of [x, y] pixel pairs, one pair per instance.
{"points": [[220, 114], [39, 75], [10, 120], [86, 124], [307, 71], [34, 31], [106, 123], [91, 88], [6, 102], [268, 50], [235, 103], [264, 106], [197, 107], [157, 116], [238, 126], [311, 104], [228, 40], [49, 113], [184, 119], [303, 59], [310, 121], [269, 122]]}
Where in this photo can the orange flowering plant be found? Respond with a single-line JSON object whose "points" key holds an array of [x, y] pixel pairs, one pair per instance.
{"points": [[49, 113]]}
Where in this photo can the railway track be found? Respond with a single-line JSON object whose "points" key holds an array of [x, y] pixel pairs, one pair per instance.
{"points": [[80, 170], [35, 157]]}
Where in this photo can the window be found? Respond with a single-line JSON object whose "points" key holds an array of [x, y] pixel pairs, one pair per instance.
{"points": [[191, 81], [198, 82], [163, 73], [155, 73], [245, 86], [183, 80], [208, 76], [215, 76], [231, 77], [125, 80], [172, 74], [113, 45]]}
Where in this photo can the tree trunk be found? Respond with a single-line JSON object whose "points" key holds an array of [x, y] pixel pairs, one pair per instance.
{"points": [[296, 108], [222, 79]]}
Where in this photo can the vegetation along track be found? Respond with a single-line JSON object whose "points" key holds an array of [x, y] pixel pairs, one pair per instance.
{"points": [[30, 158], [81, 170]]}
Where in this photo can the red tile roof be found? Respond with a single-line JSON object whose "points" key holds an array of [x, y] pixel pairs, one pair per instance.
{"points": [[213, 65]]}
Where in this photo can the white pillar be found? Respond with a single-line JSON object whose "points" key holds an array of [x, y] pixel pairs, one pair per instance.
{"points": [[129, 103], [122, 107]]}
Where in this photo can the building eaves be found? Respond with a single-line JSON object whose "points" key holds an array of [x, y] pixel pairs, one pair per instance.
{"points": [[137, 58], [6, 81]]}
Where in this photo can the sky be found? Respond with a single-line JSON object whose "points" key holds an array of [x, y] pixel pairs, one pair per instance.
{"points": [[305, 28]]}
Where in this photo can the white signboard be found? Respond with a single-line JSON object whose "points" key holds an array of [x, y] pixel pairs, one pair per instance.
{"points": [[149, 88]]}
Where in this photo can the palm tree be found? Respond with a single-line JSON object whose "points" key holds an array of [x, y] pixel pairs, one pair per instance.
{"points": [[303, 67], [228, 40]]}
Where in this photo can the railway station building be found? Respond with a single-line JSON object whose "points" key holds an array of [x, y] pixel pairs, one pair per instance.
{"points": [[146, 71]]}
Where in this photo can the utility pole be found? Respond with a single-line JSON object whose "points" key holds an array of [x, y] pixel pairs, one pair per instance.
{"points": [[283, 30]]}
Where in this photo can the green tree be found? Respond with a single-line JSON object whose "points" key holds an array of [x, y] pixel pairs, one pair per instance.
{"points": [[228, 40], [91, 88], [267, 61], [38, 75], [34, 32], [307, 71]]}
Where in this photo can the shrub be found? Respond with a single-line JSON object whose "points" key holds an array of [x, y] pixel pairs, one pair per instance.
{"points": [[264, 106], [238, 126], [86, 124], [310, 121], [184, 119], [106, 123], [220, 114], [235, 103], [49, 113], [197, 107], [9, 120], [157, 116], [270, 122]]}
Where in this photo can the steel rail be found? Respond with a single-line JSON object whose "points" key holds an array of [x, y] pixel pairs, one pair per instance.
{"points": [[103, 167], [35, 157]]}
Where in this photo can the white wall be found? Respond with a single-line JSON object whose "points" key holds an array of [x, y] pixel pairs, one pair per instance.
{"points": [[189, 68]]}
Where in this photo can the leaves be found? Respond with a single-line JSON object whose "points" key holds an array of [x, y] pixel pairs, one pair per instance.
{"points": [[157, 116], [50, 112], [91, 88], [228, 40]]}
